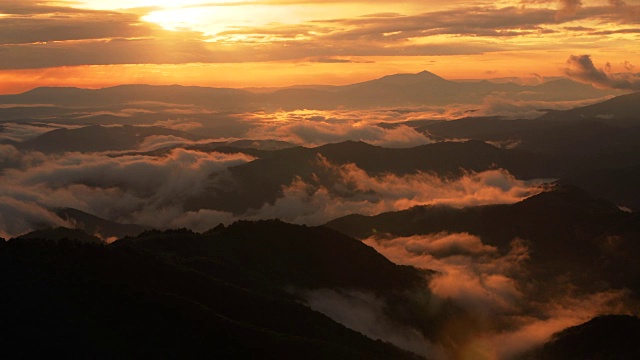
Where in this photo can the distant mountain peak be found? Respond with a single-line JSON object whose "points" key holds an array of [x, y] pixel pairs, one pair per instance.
{"points": [[425, 73], [407, 78]]}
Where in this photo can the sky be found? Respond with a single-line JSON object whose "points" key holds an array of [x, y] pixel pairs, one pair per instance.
{"points": [[270, 43]]}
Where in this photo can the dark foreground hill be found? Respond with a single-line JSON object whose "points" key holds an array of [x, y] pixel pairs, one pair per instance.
{"points": [[179, 294], [611, 337]]}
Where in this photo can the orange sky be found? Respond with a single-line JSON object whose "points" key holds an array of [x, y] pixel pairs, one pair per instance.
{"points": [[95, 43]]}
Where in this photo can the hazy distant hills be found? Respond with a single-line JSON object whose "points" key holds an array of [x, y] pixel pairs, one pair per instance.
{"points": [[261, 181], [92, 224], [565, 228], [590, 161], [117, 95], [97, 138], [584, 144], [423, 88], [617, 110]]}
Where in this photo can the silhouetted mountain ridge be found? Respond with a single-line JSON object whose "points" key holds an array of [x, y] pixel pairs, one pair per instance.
{"points": [[618, 108], [92, 224], [423, 88], [96, 138], [261, 181], [565, 227], [156, 296], [606, 337]]}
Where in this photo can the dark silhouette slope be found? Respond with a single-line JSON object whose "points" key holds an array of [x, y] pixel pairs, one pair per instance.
{"points": [[568, 232], [610, 337], [92, 224], [621, 108], [150, 297]]}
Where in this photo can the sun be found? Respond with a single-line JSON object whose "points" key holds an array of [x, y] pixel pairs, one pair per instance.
{"points": [[176, 19]]}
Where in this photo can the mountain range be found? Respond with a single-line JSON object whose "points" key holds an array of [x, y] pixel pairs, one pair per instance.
{"points": [[565, 229], [483, 237], [423, 88]]}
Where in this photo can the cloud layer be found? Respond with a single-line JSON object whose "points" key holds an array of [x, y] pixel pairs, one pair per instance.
{"points": [[496, 288], [151, 188], [355, 191], [131, 189]]}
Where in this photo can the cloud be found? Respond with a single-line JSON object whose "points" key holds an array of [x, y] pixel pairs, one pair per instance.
{"points": [[179, 124], [155, 142], [315, 133], [473, 274], [364, 312], [556, 316], [352, 190], [151, 190], [314, 128], [582, 69], [617, 3], [130, 189], [162, 50], [38, 37], [439, 245], [18, 217], [496, 289], [568, 7], [79, 25], [22, 132], [10, 157], [330, 60]]}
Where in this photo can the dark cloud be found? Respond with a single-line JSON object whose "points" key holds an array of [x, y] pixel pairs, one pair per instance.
{"points": [[619, 31], [77, 26], [569, 7], [86, 37], [617, 3], [581, 68], [330, 60], [180, 49], [578, 28], [37, 7], [475, 21], [106, 52]]}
